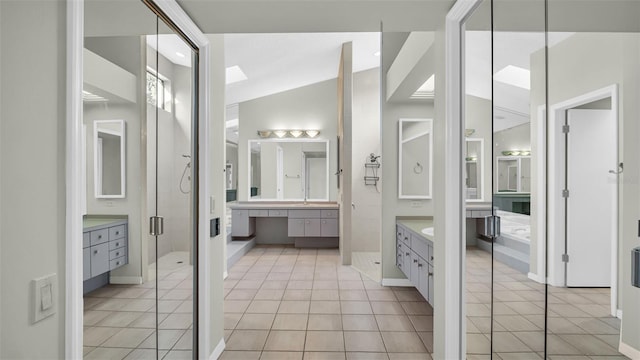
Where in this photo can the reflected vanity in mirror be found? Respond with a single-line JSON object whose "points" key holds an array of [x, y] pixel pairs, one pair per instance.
{"points": [[513, 174], [474, 169], [415, 158], [288, 170], [109, 155]]}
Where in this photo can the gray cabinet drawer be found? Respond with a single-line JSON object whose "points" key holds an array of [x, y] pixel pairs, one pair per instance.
{"points": [[406, 237], [116, 263], [430, 285], [399, 232], [99, 236], [329, 227], [99, 259], [302, 214], [277, 213], [86, 264], [295, 227], [117, 253], [329, 214], [117, 232], [420, 246], [258, 213], [312, 227], [86, 240], [116, 244]]}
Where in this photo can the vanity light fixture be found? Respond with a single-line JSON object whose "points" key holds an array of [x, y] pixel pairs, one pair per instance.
{"points": [[280, 133], [264, 133], [295, 133], [312, 133], [469, 132]]}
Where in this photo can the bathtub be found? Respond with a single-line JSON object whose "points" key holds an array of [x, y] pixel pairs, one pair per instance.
{"points": [[515, 226]]}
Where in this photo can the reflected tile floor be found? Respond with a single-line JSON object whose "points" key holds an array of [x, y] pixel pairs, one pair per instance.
{"points": [[579, 324], [287, 303], [120, 320]]}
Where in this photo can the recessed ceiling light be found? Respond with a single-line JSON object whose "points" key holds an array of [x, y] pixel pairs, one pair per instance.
{"points": [[179, 54], [235, 74], [90, 97], [515, 76], [377, 53]]}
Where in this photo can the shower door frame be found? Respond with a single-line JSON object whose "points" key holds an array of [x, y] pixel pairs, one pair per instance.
{"points": [[75, 192]]}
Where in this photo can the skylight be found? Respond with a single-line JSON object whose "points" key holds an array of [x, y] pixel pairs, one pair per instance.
{"points": [[515, 76], [235, 74], [89, 97], [426, 90]]}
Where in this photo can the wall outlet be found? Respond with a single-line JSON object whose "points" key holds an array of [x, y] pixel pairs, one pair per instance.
{"points": [[212, 205], [108, 204], [416, 204], [44, 293]]}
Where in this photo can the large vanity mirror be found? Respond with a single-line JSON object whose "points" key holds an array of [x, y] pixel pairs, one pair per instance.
{"points": [[415, 158], [513, 174], [109, 155], [288, 170], [474, 169]]}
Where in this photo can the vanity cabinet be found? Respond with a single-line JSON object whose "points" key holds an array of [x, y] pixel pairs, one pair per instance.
{"points": [[414, 256], [243, 225], [105, 246], [313, 223]]}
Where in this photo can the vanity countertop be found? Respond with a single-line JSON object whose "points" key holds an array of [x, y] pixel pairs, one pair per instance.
{"points": [[284, 205], [478, 206], [91, 222], [416, 226]]}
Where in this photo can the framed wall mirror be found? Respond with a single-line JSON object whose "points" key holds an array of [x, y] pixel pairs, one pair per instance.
{"points": [[474, 169], [288, 170], [415, 154], [513, 174], [109, 159]]}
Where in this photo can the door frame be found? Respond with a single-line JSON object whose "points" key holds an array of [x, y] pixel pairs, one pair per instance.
{"points": [[75, 192], [556, 210]]}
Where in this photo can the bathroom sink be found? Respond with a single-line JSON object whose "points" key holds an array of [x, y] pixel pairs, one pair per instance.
{"points": [[428, 231]]}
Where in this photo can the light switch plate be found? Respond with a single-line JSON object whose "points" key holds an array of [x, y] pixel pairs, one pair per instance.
{"points": [[44, 292]]}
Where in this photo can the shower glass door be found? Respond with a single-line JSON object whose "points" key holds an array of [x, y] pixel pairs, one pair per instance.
{"points": [[170, 159]]}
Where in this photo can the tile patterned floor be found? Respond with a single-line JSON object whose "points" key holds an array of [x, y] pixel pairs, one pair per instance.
{"points": [[579, 324], [119, 320], [287, 303]]}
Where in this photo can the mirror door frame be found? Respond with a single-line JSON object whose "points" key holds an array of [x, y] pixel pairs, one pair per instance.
{"points": [[75, 169]]}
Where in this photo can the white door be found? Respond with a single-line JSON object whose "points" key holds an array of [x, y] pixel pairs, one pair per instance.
{"points": [[591, 215]]}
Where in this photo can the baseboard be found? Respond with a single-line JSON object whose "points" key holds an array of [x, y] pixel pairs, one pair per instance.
{"points": [[619, 315], [536, 278], [397, 282], [218, 350], [126, 280], [224, 275], [628, 351]]}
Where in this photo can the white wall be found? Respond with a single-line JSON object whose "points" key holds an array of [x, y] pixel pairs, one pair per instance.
{"points": [[32, 153], [309, 107], [575, 69]]}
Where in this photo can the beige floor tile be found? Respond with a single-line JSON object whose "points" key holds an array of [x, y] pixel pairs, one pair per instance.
{"points": [[519, 356], [248, 284], [112, 304], [247, 340], [417, 308], [381, 295], [167, 339], [427, 340], [325, 284], [297, 295], [240, 355], [231, 320], [241, 294], [402, 342], [359, 323], [324, 355], [278, 276], [325, 322], [325, 307], [263, 307], [103, 353], [589, 345], [177, 321], [356, 307], [387, 308], [281, 355], [363, 341], [256, 322], [394, 323], [185, 342], [128, 338], [422, 322], [413, 356], [275, 284], [143, 354], [408, 295], [324, 341], [294, 307], [269, 294], [478, 344], [285, 340], [177, 294], [353, 295], [178, 355], [508, 342], [300, 285], [166, 306], [351, 285], [92, 317], [515, 323], [95, 336], [325, 294], [290, 322], [367, 356]]}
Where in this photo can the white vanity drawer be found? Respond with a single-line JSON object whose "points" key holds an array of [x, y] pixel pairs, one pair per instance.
{"points": [[258, 213], [329, 228], [99, 259], [399, 232], [99, 236], [277, 213], [117, 232], [329, 214], [420, 246], [116, 263], [116, 244], [302, 214], [117, 253]]}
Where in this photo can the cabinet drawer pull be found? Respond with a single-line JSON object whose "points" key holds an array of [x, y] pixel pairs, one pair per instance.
{"points": [[308, 222], [432, 258], [117, 262], [399, 265], [117, 244], [406, 238], [117, 254], [419, 265], [430, 274], [408, 254], [415, 261], [95, 252], [99, 236], [117, 232], [324, 221]]}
